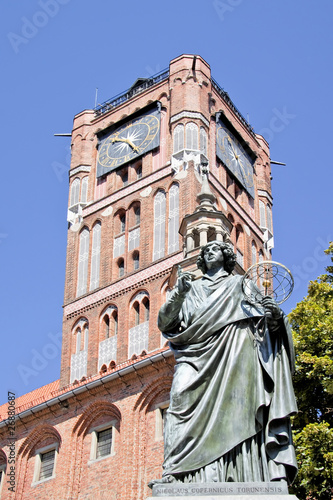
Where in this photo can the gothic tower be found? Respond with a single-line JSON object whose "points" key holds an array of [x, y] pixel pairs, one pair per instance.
{"points": [[155, 173]]}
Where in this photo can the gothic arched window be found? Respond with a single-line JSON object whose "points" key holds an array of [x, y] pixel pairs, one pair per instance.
{"points": [[95, 256], [178, 138], [83, 262], [191, 133], [159, 225], [173, 243]]}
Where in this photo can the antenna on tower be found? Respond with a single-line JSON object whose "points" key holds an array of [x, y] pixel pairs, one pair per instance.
{"points": [[96, 92]]}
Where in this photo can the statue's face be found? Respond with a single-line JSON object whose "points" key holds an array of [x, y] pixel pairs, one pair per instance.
{"points": [[213, 256]]}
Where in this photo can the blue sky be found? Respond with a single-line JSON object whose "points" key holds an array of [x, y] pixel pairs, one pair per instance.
{"points": [[273, 58]]}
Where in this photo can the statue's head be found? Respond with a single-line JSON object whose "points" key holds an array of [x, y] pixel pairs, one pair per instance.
{"points": [[229, 257]]}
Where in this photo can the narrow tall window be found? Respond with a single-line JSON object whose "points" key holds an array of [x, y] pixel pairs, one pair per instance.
{"points": [[122, 222], [191, 133], [136, 260], [104, 442], [253, 253], [84, 189], [262, 214], [137, 214], [269, 218], [83, 262], [75, 192], [121, 268], [136, 308], [173, 244], [178, 138], [159, 225], [95, 256], [203, 141], [46, 464]]}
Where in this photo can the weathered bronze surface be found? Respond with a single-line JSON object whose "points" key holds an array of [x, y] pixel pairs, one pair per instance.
{"points": [[232, 395]]}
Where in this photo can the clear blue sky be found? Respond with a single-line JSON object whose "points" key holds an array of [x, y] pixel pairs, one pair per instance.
{"points": [[273, 58]]}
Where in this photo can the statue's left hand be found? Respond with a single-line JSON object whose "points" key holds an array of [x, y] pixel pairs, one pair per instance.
{"points": [[272, 310]]}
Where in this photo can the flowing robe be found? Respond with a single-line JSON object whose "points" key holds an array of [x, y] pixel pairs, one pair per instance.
{"points": [[232, 394]]}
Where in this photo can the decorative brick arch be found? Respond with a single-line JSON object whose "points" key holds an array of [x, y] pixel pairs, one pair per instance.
{"points": [[152, 392], [79, 431], [25, 452], [40, 433], [93, 412]]}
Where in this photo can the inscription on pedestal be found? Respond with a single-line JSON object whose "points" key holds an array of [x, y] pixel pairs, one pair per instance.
{"points": [[206, 489]]}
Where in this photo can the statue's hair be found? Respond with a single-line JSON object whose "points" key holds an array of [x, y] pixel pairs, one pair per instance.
{"points": [[228, 255]]}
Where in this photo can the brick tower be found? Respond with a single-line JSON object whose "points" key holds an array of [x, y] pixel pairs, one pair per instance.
{"points": [[156, 172]]}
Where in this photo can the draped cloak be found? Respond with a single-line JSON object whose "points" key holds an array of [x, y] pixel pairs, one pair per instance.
{"points": [[232, 389]]}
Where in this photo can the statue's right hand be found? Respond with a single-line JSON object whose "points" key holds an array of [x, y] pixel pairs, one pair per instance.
{"points": [[184, 282]]}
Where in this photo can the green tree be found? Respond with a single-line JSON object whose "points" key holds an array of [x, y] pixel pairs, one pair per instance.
{"points": [[312, 324]]}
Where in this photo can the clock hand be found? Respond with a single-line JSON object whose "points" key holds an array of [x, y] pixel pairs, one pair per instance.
{"points": [[236, 155], [127, 141]]}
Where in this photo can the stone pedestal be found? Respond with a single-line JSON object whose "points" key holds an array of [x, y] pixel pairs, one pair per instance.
{"points": [[223, 491]]}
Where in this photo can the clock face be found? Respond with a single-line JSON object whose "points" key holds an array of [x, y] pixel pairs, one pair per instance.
{"points": [[128, 142], [235, 158]]}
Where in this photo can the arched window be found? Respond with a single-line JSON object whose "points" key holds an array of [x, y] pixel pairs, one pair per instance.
{"points": [[178, 138], [136, 312], [240, 245], [159, 225], [124, 177], [119, 229], [191, 133], [75, 192], [138, 169], [145, 303], [269, 218], [84, 189], [121, 268], [95, 256], [136, 260], [108, 336], [137, 214], [253, 253], [80, 357], [261, 256], [211, 234], [139, 314], [134, 222], [83, 262], [173, 244], [262, 214], [203, 141]]}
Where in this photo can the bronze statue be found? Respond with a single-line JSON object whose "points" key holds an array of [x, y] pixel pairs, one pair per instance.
{"points": [[232, 396]]}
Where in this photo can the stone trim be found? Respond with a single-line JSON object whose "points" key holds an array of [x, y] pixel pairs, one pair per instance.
{"points": [[189, 114]]}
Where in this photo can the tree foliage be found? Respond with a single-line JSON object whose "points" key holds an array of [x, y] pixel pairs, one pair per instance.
{"points": [[312, 324]]}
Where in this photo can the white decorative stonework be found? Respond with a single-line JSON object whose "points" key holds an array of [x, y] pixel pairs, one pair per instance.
{"points": [[119, 246], [191, 115], [134, 239], [146, 192], [107, 351], [79, 169], [180, 160], [108, 211], [138, 339], [78, 365]]}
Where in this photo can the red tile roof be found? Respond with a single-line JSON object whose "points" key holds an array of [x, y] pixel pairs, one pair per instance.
{"points": [[52, 390]]}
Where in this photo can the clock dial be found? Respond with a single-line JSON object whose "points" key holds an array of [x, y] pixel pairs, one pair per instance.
{"points": [[128, 142], [235, 158]]}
